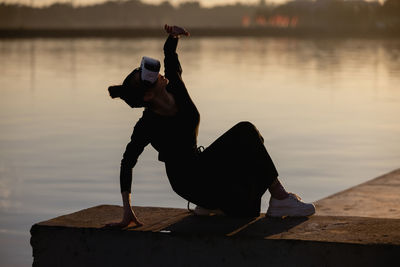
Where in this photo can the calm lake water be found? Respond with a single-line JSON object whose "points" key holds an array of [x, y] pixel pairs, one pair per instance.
{"points": [[329, 111]]}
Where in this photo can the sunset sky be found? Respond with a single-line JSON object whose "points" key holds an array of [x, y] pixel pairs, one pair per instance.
{"points": [[204, 3], [174, 2]]}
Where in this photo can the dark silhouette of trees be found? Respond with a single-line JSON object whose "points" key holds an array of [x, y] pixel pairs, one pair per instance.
{"points": [[320, 14]]}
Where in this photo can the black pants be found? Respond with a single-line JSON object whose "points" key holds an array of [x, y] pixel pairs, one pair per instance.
{"points": [[231, 174]]}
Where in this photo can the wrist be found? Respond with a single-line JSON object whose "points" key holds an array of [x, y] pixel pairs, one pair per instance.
{"points": [[174, 36], [126, 199]]}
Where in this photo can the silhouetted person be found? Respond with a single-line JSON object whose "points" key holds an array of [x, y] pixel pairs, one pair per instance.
{"points": [[229, 176]]}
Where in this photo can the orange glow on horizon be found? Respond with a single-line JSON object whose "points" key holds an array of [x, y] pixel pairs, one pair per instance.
{"points": [[260, 20], [280, 21], [245, 21]]}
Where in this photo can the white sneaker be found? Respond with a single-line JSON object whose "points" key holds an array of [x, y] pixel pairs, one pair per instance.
{"points": [[290, 206], [206, 212]]}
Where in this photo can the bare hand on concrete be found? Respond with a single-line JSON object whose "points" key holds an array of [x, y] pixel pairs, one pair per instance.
{"points": [[176, 31], [129, 217]]}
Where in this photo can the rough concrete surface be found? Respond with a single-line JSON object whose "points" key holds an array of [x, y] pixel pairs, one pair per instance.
{"points": [[377, 198], [181, 222], [175, 237]]}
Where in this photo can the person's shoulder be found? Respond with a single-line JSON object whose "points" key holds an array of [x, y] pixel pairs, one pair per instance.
{"points": [[146, 114], [144, 122]]}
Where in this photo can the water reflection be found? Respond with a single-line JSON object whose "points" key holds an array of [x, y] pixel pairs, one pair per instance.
{"points": [[9, 184], [328, 110], [32, 65]]}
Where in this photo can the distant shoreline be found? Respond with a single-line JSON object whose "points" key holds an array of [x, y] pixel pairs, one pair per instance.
{"points": [[198, 32]]}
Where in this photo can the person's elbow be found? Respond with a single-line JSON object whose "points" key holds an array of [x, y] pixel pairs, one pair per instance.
{"points": [[127, 163]]}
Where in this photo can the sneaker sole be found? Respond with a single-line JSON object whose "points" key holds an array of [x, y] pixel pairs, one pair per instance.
{"points": [[297, 213]]}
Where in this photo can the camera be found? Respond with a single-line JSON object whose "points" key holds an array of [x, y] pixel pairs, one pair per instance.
{"points": [[150, 68]]}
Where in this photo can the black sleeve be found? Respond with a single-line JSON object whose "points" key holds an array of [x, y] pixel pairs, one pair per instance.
{"points": [[173, 72], [173, 69], [139, 140]]}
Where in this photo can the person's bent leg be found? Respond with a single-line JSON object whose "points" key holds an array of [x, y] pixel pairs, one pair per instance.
{"points": [[281, 203], [241, 168]]}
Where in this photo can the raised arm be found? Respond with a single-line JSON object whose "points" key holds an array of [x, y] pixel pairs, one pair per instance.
{"points": [[173, 69]]}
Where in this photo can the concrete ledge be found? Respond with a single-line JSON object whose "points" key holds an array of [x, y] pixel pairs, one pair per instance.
{"points": [[378, 198], [175, 237]]}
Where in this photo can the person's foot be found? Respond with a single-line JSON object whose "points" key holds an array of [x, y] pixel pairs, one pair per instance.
{"points": [[206, 212], [290, 206]]}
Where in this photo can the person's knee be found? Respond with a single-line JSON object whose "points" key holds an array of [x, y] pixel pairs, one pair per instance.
{"points": [[248, 127]]}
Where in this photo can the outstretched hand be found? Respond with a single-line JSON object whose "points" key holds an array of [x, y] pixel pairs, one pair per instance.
{"points": [[176, 31], [128, 219]]}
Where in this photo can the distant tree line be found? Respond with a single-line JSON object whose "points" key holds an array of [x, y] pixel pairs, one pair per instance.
{"points": [[134, 13], [333, 14]]}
